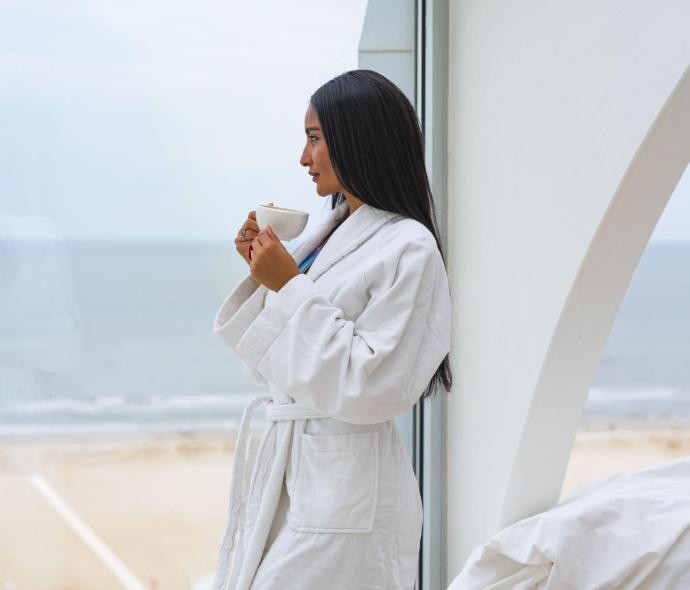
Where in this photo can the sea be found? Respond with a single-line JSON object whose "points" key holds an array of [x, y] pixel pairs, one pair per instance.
{"points": [[102, 337]]}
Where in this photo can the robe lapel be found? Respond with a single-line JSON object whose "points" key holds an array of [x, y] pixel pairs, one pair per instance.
{"points": [[352, 232], [320, 232]]}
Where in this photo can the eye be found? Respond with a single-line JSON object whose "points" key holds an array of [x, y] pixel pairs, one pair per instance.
{"points": [[313, 137]]}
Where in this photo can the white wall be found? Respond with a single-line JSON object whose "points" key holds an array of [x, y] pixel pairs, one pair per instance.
{"points": [[565, 143]]}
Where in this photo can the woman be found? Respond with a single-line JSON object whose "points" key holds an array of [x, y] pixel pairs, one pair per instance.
{"points": [[346, 341]]}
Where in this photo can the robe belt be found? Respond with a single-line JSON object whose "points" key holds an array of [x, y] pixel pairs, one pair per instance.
{"points": [[290, 411], [274, 412]]}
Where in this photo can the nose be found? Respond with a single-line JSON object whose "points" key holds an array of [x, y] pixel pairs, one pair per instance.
{"points": [[304, 159]]}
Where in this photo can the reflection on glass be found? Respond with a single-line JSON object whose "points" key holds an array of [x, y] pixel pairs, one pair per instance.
{"points": [[135, 138]]}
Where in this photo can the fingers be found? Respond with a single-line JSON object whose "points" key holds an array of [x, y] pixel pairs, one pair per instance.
{"points": [[264, 237], [249, 228], [267, 234], [250, 225]]}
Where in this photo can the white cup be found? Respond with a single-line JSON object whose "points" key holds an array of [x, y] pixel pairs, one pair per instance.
{"points": [[285, 223]]}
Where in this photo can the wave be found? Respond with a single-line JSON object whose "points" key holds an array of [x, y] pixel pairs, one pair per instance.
{"points": [[122, 415], [153, 405], [114, 428]]}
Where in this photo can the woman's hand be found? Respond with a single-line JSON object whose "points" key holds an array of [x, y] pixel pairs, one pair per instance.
{"points": [[271, 264], [251, 230]]}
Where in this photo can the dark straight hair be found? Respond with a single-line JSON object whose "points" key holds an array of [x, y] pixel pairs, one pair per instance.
{"points": [[376, 148]]}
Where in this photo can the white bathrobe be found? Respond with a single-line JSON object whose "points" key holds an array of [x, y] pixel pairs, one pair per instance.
{"points": [[328, 498]]}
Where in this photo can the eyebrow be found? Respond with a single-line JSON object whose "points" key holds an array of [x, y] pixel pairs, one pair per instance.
{"points": [[308, 129]]}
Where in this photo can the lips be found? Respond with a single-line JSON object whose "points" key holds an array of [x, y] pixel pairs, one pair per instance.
{"points": [[314, 177]]}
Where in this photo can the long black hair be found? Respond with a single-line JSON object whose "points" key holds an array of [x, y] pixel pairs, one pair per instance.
{"points": [[376, 148]]}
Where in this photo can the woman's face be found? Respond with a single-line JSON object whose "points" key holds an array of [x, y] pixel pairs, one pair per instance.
{"points": [[315, 156]]}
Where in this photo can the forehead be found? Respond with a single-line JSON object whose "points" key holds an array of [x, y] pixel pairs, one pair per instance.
{"points": [[311, 119]]}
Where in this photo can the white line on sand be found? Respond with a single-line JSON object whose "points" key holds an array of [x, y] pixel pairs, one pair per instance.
{"points": [[109, 559]]}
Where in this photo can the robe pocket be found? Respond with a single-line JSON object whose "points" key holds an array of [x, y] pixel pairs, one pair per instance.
{"points": [[336, 484]]}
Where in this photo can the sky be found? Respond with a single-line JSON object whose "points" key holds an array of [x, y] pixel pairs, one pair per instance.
{"points": [[674, 223], [161, 119], [172, 120]]}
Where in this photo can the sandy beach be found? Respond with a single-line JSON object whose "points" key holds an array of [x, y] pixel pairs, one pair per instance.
{"points": [[623, 447], [149, 512], [122, 512]]}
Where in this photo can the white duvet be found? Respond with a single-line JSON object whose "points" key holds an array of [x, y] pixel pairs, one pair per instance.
{"points": [[624, 532]]}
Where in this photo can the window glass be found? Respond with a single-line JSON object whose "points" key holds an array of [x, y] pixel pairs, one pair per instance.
{"points": [[638, 409], [136, 136]]}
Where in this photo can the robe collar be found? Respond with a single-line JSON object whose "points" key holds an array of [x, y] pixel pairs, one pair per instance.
{"points": [[353, 230]]}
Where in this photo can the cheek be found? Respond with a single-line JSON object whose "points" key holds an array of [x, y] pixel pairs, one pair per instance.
{"points": [[324, 161]]}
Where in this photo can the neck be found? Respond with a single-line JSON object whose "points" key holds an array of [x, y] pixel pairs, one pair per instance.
{"points": [[353, 202]]}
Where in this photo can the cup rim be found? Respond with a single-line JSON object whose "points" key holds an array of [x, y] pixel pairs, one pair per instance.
{"points": [[282, 209]]}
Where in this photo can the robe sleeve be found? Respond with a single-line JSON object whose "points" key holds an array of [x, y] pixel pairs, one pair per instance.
{"points": [[364, 371], [242, 305], [254, 375]]}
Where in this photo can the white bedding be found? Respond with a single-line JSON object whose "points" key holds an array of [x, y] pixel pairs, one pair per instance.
{"points": [[623, 532]]}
